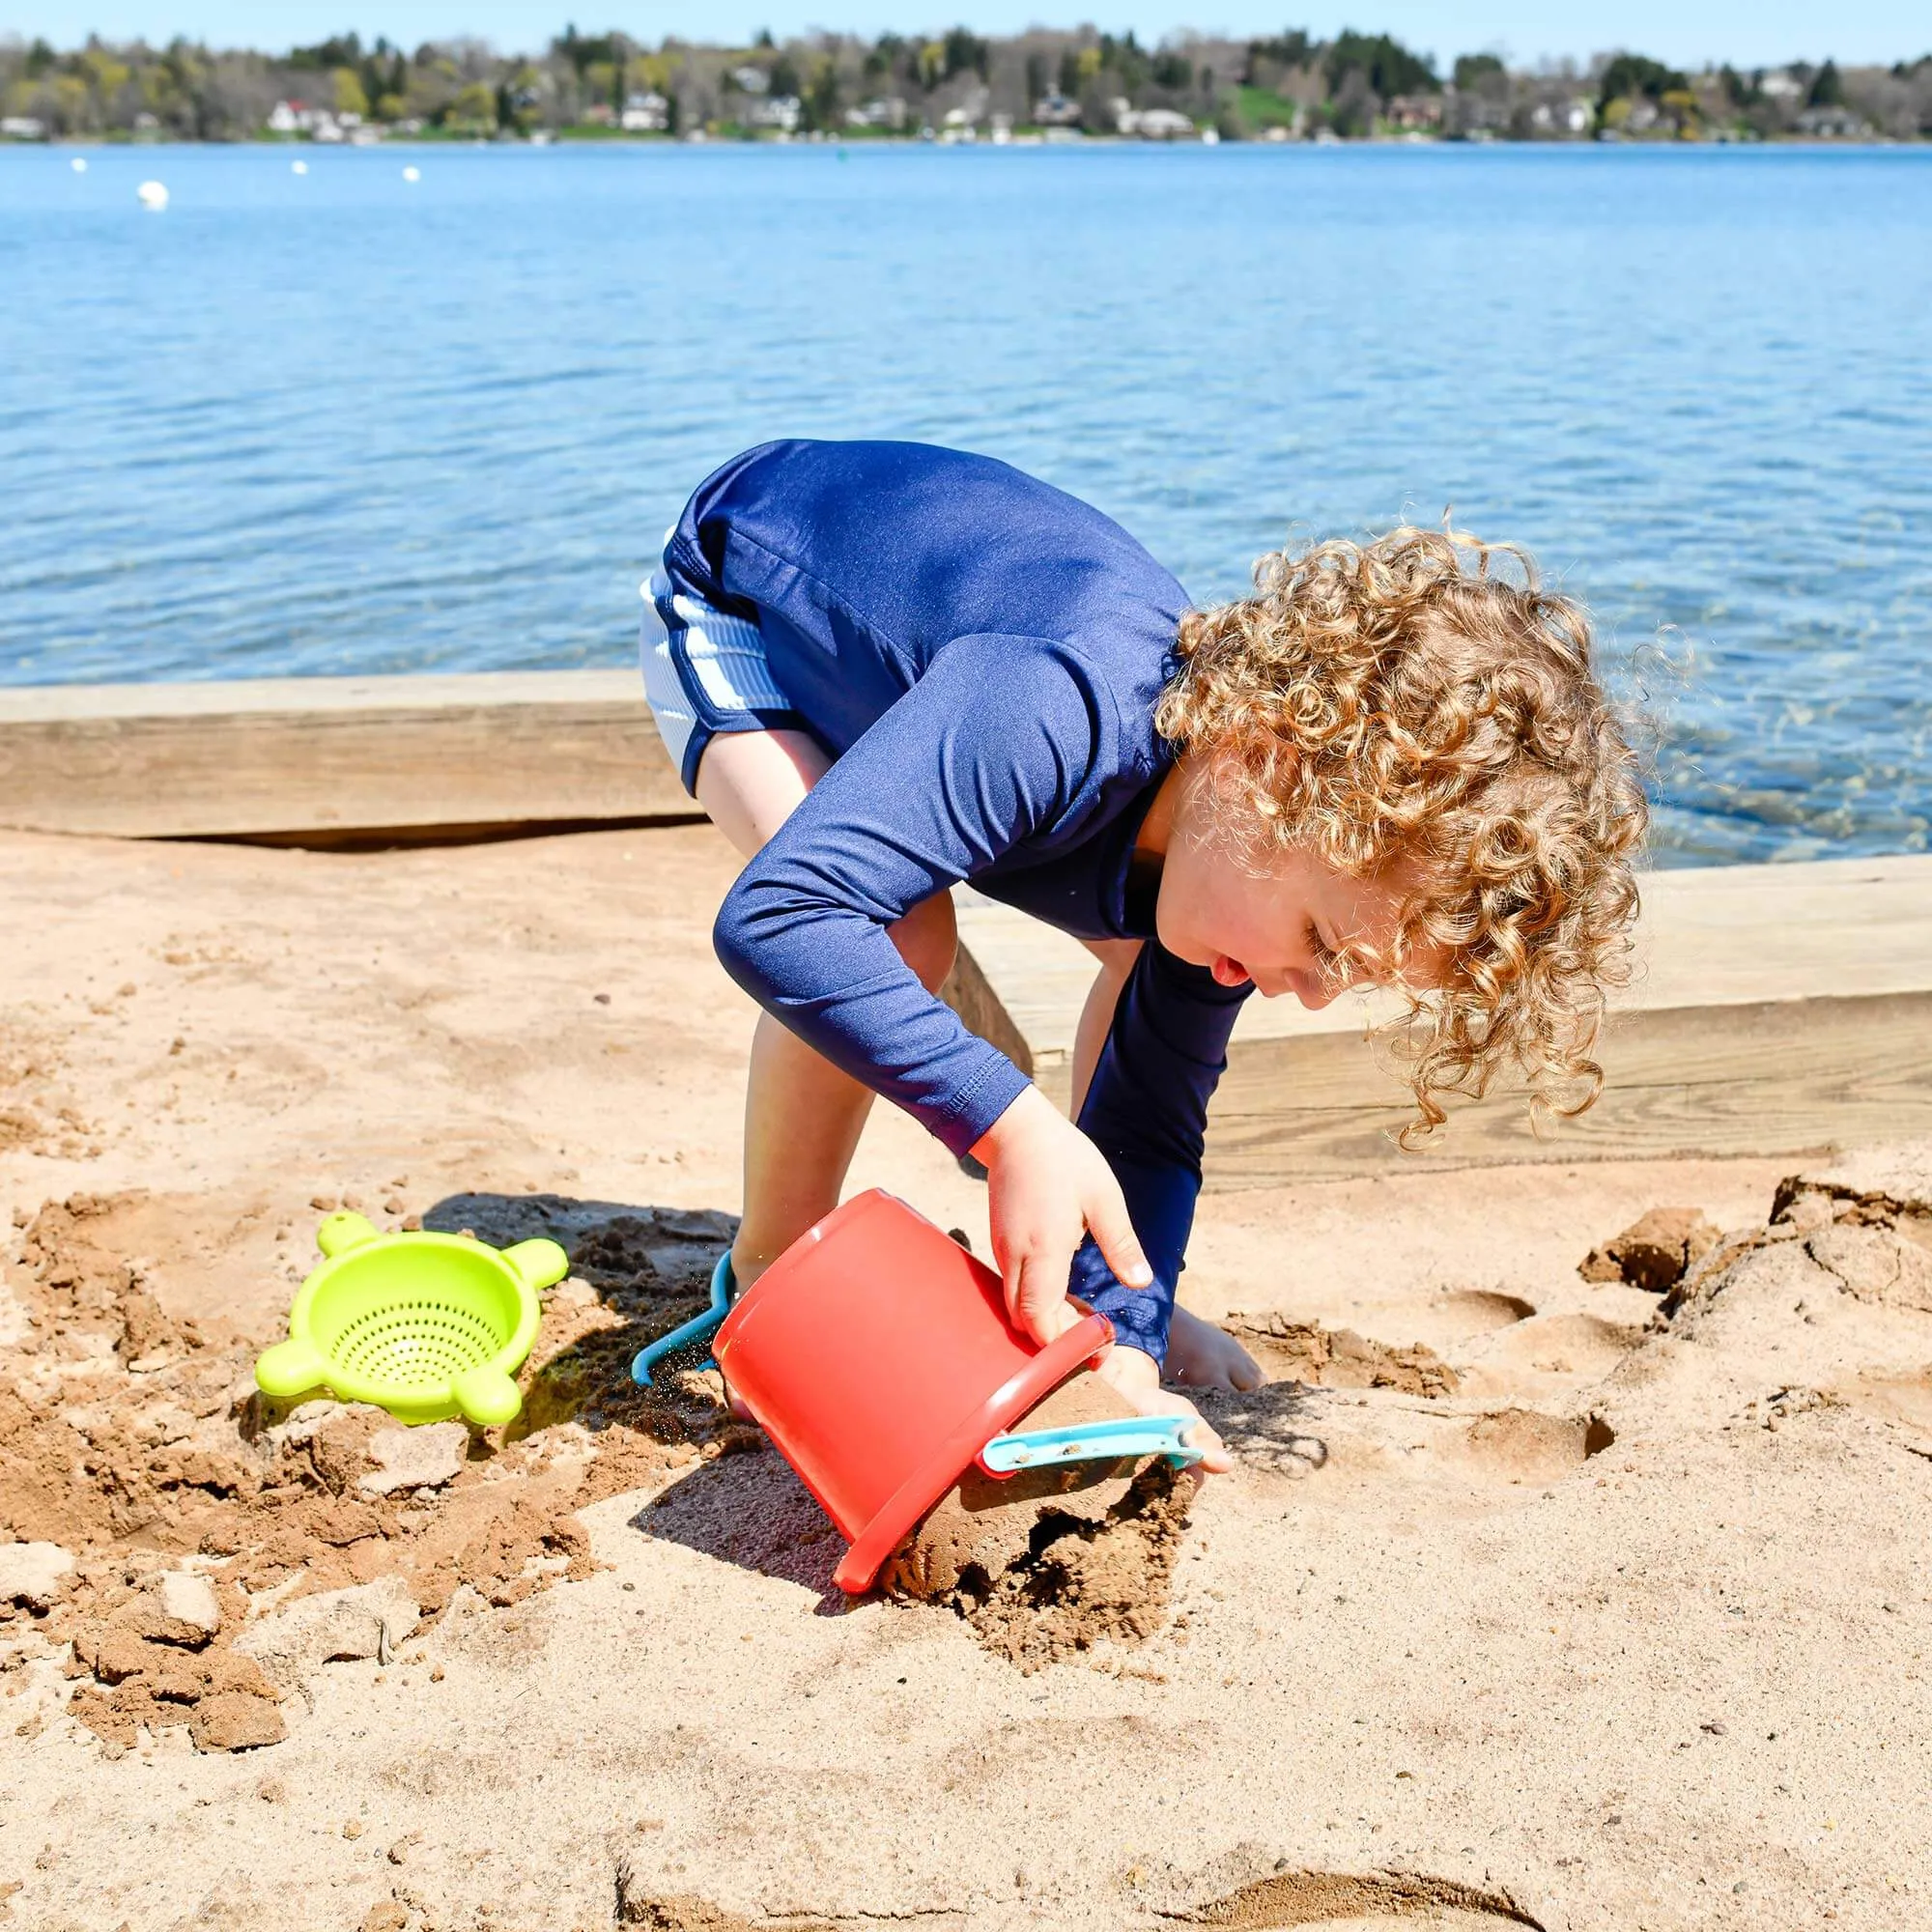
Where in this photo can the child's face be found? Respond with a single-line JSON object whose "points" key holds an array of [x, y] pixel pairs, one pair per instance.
{"points": [[1284, 929]]}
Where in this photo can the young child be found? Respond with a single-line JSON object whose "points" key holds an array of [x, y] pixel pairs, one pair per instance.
{"points": [[886, 668]]}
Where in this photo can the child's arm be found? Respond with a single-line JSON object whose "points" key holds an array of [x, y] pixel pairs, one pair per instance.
{"points": [[999, 740], [1147, 1111]]}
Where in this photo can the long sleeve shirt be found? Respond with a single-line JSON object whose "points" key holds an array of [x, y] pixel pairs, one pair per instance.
{"points": [[980, 655]]}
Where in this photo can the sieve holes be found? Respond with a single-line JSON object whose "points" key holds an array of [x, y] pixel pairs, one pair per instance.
{"points": [[417, 1343]]}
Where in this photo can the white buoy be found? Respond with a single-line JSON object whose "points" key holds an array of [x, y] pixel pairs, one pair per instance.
{"points": [[78, 164], [299, 167], [412, 173], [153, 195]]}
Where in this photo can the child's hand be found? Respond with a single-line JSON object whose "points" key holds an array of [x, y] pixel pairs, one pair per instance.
{"points": [[1135, 1374], [1048, 1186]]}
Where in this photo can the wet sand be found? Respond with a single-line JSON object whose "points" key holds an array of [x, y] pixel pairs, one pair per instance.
{"points": [[1530, 1604]]}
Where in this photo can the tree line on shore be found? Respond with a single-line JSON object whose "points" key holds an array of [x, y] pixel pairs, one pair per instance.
{"points": [[1039, 85]]}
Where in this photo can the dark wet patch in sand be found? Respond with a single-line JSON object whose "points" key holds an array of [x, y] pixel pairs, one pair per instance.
{"points": [[1083, 1580], [1050, 1562]]}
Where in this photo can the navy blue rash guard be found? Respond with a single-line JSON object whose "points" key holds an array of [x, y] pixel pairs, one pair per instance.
{"points": [[981, 654]]}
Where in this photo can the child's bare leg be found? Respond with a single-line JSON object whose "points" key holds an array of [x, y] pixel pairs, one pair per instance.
{"points": [[1116, 959], [803, 1116], [1198, 1354]]}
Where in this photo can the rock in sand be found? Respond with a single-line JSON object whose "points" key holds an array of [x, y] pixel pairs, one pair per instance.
{"points": [[423, 1458], [189, 1611]]}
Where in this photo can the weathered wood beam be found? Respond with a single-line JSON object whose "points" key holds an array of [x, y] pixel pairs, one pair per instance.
{"points": [[1779, 1008], [334, 759], [1776, 1009], [1782, 1077]]}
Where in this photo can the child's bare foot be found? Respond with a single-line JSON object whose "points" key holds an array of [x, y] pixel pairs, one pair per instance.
{"points": [[1201, 1355]]}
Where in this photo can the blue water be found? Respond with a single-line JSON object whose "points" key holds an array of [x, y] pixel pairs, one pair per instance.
{"points": [[342, 422]]}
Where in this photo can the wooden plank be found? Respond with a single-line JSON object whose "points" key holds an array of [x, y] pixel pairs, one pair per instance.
{"points": [[1721, 935], [1782, 1077], [1778, 1008], [333, 757], [970, 994]]}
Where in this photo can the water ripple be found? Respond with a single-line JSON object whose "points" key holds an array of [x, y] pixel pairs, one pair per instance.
{"points": [[335, 422]]}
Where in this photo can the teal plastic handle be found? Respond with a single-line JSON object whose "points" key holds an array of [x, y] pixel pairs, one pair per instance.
{"points": [[700, 1328], [1095, 1442]]}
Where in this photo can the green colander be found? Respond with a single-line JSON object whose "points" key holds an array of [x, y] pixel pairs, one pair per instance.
{"points": [[423, 1325]]}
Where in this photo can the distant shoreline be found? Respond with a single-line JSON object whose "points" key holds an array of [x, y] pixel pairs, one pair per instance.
{"points": [[955, 89], [594, 139]]}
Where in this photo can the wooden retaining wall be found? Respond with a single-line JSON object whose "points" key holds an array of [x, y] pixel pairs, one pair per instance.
{"points": [[1781, 1009], [1777, 1009], [324, 760]]}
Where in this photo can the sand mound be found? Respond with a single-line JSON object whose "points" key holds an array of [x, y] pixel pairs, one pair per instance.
{"points": [[1315, 1898], [139, 1444], [1304, 1351], [1053, 1561], [1866, 1223], [1814, 1323]]}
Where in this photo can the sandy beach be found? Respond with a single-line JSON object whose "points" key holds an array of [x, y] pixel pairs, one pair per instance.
{"points": [[1535, 1600]]}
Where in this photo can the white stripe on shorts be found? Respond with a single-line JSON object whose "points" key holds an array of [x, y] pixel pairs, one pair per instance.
{"points": [[726, 657], [663, 690]]}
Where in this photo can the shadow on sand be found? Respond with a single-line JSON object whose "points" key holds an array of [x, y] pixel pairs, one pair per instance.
{"points": [[751, 1510], [1264, 1426], [620, 1248], [651, 1267], [648, 1268]]}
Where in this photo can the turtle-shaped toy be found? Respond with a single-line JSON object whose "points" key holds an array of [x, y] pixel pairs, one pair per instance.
{"points": [[424, 1325]]}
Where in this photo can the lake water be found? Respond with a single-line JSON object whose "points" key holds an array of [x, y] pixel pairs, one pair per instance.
{"points": [[343, 423]]}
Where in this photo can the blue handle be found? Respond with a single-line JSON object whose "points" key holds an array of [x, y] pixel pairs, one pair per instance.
{"points": [[700, 1328], [1095, 1442]]}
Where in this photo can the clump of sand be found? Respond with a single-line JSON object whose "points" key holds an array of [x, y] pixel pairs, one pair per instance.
{"points": [[1052, 1561], [1339, 1899], [139, 1446], [1655, 1252], [1304, 1351], [35, 1116]]}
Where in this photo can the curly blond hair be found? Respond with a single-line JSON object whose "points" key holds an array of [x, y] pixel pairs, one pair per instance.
{"points": [[1403, 702]]}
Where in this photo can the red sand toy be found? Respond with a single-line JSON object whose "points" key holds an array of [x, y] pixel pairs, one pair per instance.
{"points": [[876, 1353]]}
